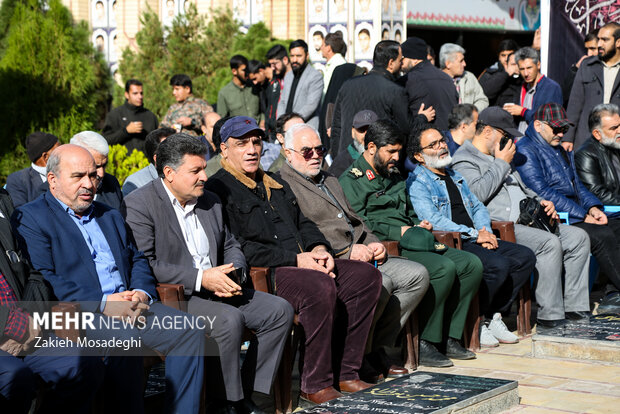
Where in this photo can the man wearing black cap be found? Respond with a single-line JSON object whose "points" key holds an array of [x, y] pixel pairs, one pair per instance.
{"points": [[180, 229], [361, 122], [426, 85], [376, 91], [265, 216], [24, 185], [550, 171], [486, 164]]}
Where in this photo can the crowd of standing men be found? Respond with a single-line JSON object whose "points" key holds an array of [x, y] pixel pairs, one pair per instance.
{"points": [[307, 173]]}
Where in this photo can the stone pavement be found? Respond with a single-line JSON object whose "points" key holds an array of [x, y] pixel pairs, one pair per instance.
{"points": [[547, 385]]}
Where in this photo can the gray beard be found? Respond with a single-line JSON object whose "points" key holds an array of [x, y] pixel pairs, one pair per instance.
{"points": [[358, 147], [433, 161], [610, 142]]}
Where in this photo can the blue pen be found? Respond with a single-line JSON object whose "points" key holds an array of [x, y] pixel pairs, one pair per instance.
{"points": [[375, 263]]}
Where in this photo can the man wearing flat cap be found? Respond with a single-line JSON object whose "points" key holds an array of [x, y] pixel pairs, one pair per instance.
{"points": [[25, 185], [181, 230], [550, 171], [487, 164], [426, 85], [265, 217], [361, 121]]}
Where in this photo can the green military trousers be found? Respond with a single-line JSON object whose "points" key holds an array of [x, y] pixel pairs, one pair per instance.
{"points": [[454, 279]]}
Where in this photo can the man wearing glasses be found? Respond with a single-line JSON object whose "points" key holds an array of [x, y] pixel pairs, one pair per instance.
{"points": [[266, 219], [322, 200], [487, 165], [550, 171], [440, 195]]}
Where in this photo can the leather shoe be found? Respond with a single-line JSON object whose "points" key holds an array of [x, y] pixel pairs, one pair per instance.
{"points": [[247, 406], [610, 303], [577, 315], [319, 397], [368, 373], [455, 350], [396, 371], [547, 324], [382, 363], [353, 386], [431, 357]]}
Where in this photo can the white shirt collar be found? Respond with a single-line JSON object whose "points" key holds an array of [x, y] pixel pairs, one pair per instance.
{"points": [[189, 206]]}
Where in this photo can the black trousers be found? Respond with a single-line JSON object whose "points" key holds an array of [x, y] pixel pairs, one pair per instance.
{"points": [[605, 246], [506, 270]]}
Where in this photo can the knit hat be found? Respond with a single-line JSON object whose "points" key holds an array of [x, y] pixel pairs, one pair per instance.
{"points": [[414, 48], [39, 142]]}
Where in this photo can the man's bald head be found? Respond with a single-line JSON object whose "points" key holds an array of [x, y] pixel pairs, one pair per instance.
{"points": [[72, 176], [209, 121]]}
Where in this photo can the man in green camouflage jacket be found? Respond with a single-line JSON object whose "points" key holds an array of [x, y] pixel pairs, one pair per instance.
{"points": [[187, 114]]}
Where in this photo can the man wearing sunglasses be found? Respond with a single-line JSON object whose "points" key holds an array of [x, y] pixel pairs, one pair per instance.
{"points": [[266, 219], [487, 164], [550, 171], [322, 200]]}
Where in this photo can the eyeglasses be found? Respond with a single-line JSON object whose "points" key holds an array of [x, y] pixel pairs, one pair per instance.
{"points": [[435, 144], [307, 153], [558, 130]]}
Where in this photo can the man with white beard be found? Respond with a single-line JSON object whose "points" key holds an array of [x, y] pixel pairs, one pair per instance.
{"points": [[598, 160], [441, 196]]}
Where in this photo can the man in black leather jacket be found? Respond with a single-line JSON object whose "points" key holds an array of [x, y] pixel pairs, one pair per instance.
{"points": [[598, 159]]}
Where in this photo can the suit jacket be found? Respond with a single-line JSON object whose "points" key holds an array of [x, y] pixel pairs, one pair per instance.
{"points": [[340, 230], [151, 217], [487, 179], [307, 99], [24, 186], [56, 248], [587, 92]]}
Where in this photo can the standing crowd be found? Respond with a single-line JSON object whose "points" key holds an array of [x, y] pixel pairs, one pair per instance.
{"points": [[308, 174]]}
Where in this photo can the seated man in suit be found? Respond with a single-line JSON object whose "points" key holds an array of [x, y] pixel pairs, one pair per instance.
{"points": [[322, 200], [266, 219], [85, 253], [23, 369], [25, 185], [598, 159], [108, 189], [180, 229]]}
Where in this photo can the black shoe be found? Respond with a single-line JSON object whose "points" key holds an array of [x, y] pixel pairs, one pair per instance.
{"points": [[455, 350], [547, 324], [368, 373], [431, 357], [610, 303], [578, 315], [247, 406]]}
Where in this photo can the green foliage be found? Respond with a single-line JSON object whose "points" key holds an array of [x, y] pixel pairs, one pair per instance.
{"points": [[50, 76], [122, 166], [192, 46]]}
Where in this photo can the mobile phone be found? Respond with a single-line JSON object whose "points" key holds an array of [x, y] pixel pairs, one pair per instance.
{"points": [[236, 275], [503, 142]]}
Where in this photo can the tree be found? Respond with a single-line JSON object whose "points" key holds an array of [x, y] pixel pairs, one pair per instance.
{"points": [[50, 76], [192, 46]]}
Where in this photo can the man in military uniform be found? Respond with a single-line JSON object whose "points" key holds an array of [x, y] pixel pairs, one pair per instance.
{"points": [[376, 190], [187, 114]]}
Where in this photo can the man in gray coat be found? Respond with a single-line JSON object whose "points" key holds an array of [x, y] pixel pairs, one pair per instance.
{"points": [[486, 167], [180, 229], [322, 200], [303, 86]]}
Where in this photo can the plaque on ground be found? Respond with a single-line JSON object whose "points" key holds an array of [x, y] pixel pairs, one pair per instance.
{"points": [[428, 392], [595, 339]]}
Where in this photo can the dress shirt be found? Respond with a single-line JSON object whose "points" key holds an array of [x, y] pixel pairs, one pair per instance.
{"points": [[17, 324], [41, 170], [110, 278], [609, 77], [331, 64], [193, 233]]}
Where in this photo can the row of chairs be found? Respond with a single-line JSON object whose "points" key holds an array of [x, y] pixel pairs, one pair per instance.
{"points": [[173, 295]]}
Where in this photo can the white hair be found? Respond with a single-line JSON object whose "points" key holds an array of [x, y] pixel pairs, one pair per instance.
{"points": [[290, 134], [91, 141], [447, 52]]}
